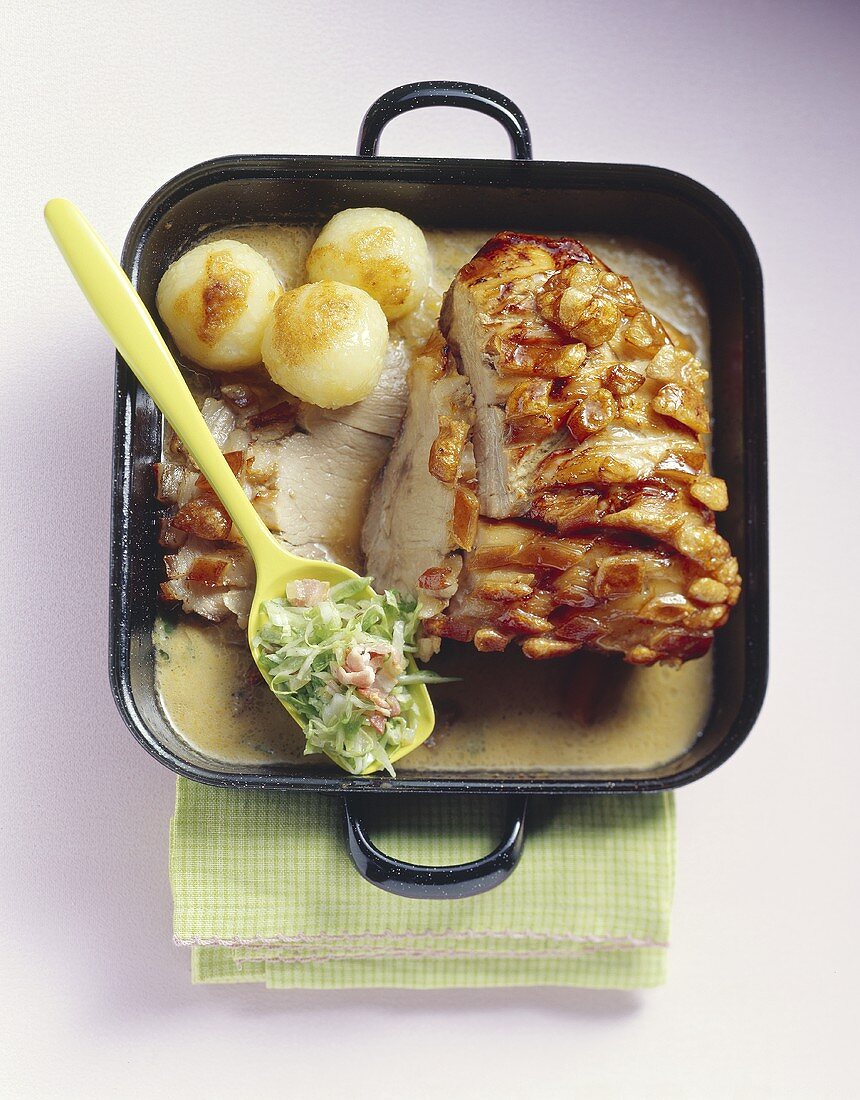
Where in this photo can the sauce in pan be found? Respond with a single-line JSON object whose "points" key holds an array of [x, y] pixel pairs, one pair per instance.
{"points": [[506, 713]]}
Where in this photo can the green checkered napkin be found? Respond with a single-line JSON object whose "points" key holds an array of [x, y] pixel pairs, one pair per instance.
{"points": [[264, 891]]}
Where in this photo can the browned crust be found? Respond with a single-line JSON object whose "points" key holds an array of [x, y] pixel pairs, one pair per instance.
{"points": [[620, 545], [222, 293]]}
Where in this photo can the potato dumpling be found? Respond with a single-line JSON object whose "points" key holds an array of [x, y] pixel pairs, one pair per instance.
{"points": [[216, 301], [377, 250], [325, 343]]}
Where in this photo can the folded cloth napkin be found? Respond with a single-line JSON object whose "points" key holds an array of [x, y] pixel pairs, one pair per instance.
{"points": [[264, 890]]}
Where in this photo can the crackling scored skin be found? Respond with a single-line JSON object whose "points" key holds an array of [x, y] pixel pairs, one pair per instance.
{"points": [[596, 502]]}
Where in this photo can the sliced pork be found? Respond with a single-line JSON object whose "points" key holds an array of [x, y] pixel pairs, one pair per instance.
{"points": [[423, 511], [309, 478], [318, 487]]}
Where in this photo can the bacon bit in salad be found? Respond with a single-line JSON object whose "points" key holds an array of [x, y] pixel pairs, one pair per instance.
{"points": [[344, 666], [362, 679], [357, 660], [307, 593], [390, 671], [385, 704], [377, 721], [374, 669]]}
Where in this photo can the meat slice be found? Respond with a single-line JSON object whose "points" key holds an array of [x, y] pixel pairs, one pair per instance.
{"points": [[317, 487], [423, 509], [512, 357]]}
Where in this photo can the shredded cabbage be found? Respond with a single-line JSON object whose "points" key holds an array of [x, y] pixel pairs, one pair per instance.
{"points": [[312, 656]]}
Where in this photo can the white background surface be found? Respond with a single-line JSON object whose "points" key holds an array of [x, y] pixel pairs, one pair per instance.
{"points": [[102, 102]]}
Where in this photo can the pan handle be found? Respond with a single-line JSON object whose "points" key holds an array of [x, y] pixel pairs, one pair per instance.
{"points": [[445, 93], [414, 880]]}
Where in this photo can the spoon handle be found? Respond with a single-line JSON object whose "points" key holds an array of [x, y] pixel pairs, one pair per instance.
{"points": [[119, 308]]}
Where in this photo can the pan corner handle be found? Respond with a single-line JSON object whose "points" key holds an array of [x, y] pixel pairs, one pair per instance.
{"points": [[445, 93], [414, 880]]}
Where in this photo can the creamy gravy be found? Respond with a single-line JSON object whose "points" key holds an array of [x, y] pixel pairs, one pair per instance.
{"points": [[506, 713]]}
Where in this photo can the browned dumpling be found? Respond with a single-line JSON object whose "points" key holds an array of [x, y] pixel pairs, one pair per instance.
{"points": [[326, 343], [380, 251], [216, 300]]}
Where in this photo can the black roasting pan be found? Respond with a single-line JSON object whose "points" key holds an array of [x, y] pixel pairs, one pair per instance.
{"points": [[649, 203]]}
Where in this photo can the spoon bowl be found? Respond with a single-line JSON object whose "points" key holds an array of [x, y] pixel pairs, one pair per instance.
{"points": [[272, 579], [128, 323]]}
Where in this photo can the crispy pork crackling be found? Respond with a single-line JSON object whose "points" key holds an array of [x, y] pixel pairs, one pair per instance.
{"points": [[550, 485]]}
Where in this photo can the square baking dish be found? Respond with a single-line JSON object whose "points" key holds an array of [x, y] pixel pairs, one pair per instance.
{"points": [[648, 203]]}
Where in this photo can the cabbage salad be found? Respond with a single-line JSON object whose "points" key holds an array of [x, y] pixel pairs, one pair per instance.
{"points": [[341, 658]]}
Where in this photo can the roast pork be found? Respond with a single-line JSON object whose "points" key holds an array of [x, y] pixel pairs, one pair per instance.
{"points": [[423, 511], [596, 503]]}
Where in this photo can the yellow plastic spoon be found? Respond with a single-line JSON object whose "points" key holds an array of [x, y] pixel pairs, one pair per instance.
{"points": [[128, 323]]}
